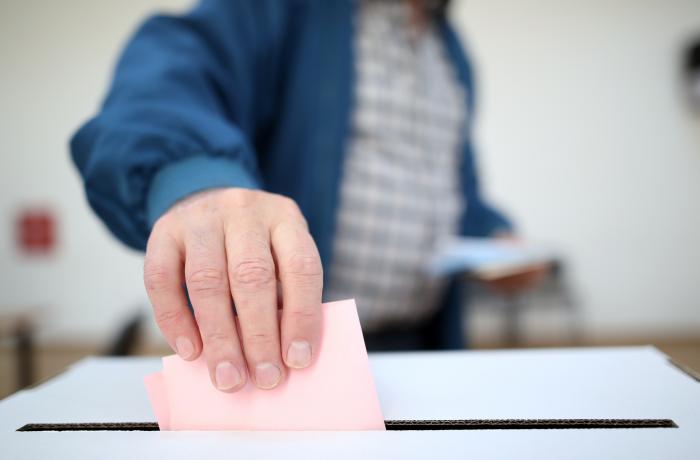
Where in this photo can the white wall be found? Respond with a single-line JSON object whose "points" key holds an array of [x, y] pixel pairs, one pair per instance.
{"points": [[586, 141], [582, 134], [56, 60]]}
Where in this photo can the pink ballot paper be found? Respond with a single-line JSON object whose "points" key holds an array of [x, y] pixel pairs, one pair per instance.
{"points": [[335, 393]]}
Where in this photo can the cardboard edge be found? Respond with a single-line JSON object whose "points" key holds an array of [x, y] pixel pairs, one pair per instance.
{"points": [[687, 370]]}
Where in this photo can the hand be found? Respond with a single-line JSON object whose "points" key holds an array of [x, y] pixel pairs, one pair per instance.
{"points": [[516, 282], [236, 244]]}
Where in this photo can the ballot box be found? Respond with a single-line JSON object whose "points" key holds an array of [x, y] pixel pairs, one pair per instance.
{"points": [[559, 403]]}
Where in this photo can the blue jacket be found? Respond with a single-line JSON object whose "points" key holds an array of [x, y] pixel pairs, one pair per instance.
{"points": [[246, 93]]}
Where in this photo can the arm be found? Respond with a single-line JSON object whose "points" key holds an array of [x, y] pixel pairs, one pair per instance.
{"points": [[189, 96], [480, 219], [180, 114]]}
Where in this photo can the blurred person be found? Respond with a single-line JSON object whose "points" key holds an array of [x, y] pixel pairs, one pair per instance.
{"points": [[247, 144]]}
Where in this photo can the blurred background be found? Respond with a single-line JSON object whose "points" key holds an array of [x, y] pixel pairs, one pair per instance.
{"points": [[587, 132]]}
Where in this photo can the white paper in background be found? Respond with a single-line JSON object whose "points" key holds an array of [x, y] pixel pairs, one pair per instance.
{"points": [[485, 256]]}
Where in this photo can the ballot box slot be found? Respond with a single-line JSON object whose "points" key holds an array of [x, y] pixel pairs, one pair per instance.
{"points": [[117, 426], [406, 425], [527, 424]]}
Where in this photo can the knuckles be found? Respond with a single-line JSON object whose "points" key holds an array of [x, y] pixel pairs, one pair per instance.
{"points": [[253, 273], [287, 211], [164, 222], [167, 318], [304, 317], [304, 266], [212, 337], [242, 198], [288, 205], [157, 278], [207, 280], [229, 203]]}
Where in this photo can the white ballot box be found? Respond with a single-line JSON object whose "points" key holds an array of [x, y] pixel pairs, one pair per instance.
{"points": [[575, 403]]}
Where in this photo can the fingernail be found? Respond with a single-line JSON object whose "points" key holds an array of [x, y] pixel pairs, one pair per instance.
{"points": [[227, 376], [299, 354], [267, 375], [184, 347]]}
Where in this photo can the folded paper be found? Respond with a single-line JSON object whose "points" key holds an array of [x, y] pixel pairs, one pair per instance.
{"points": [[336, 392], [487, 258]]}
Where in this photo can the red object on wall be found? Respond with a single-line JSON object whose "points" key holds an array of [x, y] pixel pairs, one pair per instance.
{"points": [[36, 231]]}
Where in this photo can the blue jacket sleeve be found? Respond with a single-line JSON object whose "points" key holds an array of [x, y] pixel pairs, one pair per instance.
{"points": [[480, 219], [180, 115]]}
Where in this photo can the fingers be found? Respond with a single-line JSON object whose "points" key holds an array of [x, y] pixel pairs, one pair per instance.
{"points": [[235, 247], [253, 285], [208, 287], [515, 282], [300, 272], [163, 279]]}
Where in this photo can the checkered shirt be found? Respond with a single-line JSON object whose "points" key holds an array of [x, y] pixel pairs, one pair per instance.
{"points": [[400, 191]]}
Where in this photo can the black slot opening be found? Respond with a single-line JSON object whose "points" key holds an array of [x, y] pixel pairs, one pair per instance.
{"points": [[121, 426], [402, 425], [527, 424]]}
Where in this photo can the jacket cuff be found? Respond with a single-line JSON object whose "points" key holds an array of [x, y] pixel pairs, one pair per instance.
{"points": [[180, 179], [483, 221]]}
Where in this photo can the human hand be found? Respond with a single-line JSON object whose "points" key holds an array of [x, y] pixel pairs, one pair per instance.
{"points": [[236, 245], [514, 282]]}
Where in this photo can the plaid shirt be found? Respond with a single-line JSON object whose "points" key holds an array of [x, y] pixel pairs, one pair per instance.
{"points": [[400, 191]]}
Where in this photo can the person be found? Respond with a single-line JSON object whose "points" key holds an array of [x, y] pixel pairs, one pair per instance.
{"points": [[246, 145]]}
